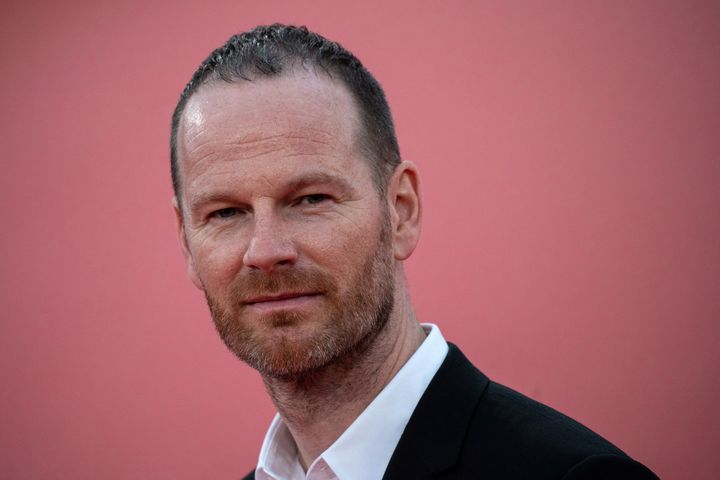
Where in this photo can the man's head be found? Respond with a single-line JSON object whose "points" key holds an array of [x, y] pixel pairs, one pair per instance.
{"points": [[281, 223], [268, 51]]}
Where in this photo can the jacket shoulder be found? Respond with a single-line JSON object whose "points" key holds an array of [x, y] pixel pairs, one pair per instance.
{"points": [[517, 420], [527, 436], [482, 429], [523, 438]]}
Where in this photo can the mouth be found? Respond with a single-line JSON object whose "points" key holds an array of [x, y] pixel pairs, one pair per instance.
{"points": [[285, 300]]}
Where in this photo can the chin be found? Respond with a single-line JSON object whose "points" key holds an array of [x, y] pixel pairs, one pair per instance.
{"points": [[281, 345], [288, 353]]}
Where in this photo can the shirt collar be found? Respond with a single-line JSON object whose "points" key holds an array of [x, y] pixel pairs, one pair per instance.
{"points": [[363, 451], [278, 455]]}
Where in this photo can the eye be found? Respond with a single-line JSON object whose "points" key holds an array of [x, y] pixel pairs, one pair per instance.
{"points": [[225, 213], [314, 199]]}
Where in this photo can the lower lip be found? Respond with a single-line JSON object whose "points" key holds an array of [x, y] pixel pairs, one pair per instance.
{"points": [[283, 303]]}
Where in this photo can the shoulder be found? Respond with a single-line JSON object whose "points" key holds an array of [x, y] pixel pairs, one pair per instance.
{"points": [[250, 476], [467, 426], [526, 437], [514, 419], [509, 435]]}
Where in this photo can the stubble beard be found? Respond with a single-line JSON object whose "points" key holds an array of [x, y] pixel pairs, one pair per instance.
{"points": [[352, 320]]}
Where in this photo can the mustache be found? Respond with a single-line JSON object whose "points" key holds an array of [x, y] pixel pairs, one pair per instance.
{"points": [[255, 284]]}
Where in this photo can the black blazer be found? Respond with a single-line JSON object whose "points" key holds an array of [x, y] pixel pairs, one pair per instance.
{"points": [[468, 427]]}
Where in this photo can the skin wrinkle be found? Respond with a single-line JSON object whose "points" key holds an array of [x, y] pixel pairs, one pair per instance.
{"points": [[351, 208], [247, 151], [342, 189], [319, 124], [242, 150], [267, 180]]}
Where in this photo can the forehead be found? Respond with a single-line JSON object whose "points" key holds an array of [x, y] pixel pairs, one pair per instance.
{"points": [[297, 113]]}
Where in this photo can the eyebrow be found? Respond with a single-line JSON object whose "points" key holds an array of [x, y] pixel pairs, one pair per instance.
{"points": [[318, 178], [304, 181]]}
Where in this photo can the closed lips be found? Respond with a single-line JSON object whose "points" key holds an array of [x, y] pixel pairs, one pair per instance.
{"points": [[277, 298]]}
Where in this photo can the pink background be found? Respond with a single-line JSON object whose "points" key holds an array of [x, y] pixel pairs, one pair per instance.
{"points": [[570, 154]]}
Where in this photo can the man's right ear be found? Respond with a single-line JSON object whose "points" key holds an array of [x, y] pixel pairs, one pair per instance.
{"points": [[182, 240]]}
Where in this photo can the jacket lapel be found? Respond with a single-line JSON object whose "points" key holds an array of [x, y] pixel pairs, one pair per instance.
{"points": [[433, 437]]}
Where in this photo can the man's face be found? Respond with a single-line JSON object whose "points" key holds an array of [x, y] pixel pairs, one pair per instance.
{"points": [[281, 224]]}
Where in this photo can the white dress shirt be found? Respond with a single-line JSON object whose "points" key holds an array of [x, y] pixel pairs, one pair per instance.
{"points": [[363, 451]]}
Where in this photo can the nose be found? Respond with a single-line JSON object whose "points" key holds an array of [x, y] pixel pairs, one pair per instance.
{"points": [[270, 247]]}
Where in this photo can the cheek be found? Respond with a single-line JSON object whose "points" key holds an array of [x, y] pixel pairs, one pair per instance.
{"points": [[342, 248], [217, 263]]}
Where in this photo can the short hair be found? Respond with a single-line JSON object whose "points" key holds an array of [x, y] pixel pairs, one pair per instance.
{"points": [[265, 51]]}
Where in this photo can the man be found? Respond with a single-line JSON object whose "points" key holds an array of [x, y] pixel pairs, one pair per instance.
{"points": [[295, 213]]}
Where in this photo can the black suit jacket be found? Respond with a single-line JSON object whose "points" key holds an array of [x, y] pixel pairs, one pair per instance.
{"points": [[468, 427]]}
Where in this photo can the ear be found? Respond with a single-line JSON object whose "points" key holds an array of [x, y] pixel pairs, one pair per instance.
{"points": [[405, 209], [182, 240]]}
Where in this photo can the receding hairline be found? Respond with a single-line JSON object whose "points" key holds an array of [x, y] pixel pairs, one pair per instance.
{"points": [[268, 50]]}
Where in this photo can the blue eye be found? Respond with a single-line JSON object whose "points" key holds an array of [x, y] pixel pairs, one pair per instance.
{"points": [[314, 198], [225, 213]]}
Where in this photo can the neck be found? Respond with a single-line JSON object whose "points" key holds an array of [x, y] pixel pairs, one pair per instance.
{"points": [[318, 407]]}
